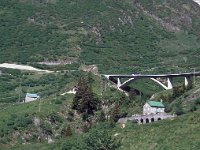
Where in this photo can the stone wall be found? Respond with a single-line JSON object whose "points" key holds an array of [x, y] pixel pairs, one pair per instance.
{"points": [[142, 119]]}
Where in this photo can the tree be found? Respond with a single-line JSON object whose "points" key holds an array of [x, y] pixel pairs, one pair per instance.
{"points": [[67, 131], [197, 101], [85, 102], [115, 113], [178, 109], [90, 78], [193, 107], [101, 140], [102, 116], [74, 144]]}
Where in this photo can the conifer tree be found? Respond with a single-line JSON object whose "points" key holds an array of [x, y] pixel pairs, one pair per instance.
{"points": [[66, 132], [85, 101], [116, 113], [102, 116]]}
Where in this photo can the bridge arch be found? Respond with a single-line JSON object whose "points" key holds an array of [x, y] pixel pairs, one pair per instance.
{"points": [[127, 82], [133, 77], [159, 119]]}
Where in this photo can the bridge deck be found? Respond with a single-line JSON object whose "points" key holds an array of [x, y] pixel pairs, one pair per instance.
{"points": [[154, 76]]}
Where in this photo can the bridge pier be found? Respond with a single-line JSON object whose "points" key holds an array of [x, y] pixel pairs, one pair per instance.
{"points": [[118, 83], [169, 83], [187, 81]]}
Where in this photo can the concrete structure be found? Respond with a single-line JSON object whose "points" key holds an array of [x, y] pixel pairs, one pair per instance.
{"points": [[122, 81], [142, 119], [31, 97], [153, 107], [73, 91], [152, 111]]}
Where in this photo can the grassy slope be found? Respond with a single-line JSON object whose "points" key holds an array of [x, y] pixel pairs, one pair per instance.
{"points": [[70, 30], [160, 135], [180, 134], [16, 116], [117, 36], [15, 84]]}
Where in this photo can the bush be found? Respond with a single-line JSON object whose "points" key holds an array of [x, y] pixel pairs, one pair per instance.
{"points": [[74, 144], [66, 132], [100, 139], [54, 117], [70, 116], [102, 116], [47, 128], [58, 102], [197, 101], [178, 109], [193, 108]]}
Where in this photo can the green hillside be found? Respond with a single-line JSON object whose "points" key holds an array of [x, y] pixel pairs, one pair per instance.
{"points": [[178, 134], [79, 41], [117, 36]]}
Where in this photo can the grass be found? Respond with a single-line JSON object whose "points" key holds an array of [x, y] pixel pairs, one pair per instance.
{"points": [[116, 36], [162, 135], [182, 133], [15, 84]]}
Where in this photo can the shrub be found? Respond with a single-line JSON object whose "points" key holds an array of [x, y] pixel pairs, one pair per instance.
{"points": [[54, 117], [197, 101], [73, 144], [102, 117], [193, 107], [66, 132], [58, 102], [100, 139], [47, 128]]}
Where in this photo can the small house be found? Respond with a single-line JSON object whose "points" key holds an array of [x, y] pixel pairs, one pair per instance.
{"points": [[153, 107], [31, 97]]}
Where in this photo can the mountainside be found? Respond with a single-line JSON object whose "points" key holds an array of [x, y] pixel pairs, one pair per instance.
{"points": [[117, 36], [79, 41]]}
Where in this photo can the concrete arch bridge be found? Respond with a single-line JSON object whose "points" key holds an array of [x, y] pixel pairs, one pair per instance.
{"points": [[143, 119], [122, 81]]}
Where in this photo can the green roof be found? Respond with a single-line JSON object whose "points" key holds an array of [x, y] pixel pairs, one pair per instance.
{"points": [[155, 104]]}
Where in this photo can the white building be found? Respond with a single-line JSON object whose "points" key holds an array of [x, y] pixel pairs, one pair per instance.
{"points": [[153, 107], [31, 97]]}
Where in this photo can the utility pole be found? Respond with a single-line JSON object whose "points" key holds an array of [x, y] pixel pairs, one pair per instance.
{"points": [[194, 76], [20, 89], [39, 104]]}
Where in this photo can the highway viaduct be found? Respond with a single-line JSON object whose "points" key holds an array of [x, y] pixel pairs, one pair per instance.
{"points": [[127, 79]]}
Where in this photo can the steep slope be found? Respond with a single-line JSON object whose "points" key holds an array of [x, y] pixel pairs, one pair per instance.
{"points": [[164, 135], [117, 36], [181, 133], [179, 15]]}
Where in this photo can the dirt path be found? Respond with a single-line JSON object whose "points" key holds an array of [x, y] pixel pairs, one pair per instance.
{"points": [[22, 67]]}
